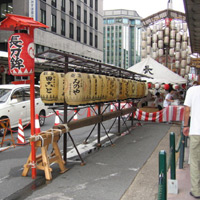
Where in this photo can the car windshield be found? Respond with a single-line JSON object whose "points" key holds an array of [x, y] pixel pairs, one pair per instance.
{"points": [[4, 94]]}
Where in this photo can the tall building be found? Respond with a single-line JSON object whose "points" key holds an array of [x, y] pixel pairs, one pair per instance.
{"points": [[75, 26], [121, 44]]}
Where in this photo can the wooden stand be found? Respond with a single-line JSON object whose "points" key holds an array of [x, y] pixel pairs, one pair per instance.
{"points": [[43, 161], [5, 124]]}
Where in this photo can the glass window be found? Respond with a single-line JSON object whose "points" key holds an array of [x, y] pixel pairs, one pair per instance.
{"points": [[78, 33], [71, 31], [43, 16], [78, 12], [4, 94], [96, 5], [63, 5], [37, 92], [53, 3], [71, 7], [96, 41], [125, 21], [91, 3], [62, 27], [18, 94], [85, 1], [5, 8], [91, 39], [27, 94], [96, 23], [118, 20], [91, 20], [137, 22], [85, 16], [53, 23], [85, 36]]}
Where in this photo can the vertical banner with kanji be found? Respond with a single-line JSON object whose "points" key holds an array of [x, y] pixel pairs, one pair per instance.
{"points": [[21, 54]]}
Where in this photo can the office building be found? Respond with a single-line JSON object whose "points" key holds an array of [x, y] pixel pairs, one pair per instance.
{"points": [[75, 26], [121, 44]]}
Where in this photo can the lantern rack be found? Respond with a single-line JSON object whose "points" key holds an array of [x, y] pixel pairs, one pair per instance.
{"points": [[67, 62]]}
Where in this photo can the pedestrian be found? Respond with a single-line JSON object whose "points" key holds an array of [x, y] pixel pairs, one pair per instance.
{"points": [[158, 101], [168, 98], [192, 108]]}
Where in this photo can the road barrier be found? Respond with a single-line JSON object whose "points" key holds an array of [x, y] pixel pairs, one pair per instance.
{"points": [[43, 160], [165, 166], [5, 124]]}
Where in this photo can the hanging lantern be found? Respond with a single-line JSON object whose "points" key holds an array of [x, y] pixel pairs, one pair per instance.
{"points": [[166, 86], [149, 85], [21, 54], [175, 86], [157, 86]]}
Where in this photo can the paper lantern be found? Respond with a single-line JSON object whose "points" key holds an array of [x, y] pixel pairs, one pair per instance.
{"points": [[21, 54], [157, 86], [175, 86], [178, 37], [166, 86], [149, 85]]}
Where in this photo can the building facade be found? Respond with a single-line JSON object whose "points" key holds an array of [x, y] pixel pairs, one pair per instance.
{"points": [[121, 42], [75, 26]]}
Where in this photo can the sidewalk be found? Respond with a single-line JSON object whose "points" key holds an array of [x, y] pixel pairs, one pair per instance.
{"points": [[183, 177], [145, 185]]}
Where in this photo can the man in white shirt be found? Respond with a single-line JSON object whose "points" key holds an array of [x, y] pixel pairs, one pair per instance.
{"points": [[192, 108], [168, 98]]}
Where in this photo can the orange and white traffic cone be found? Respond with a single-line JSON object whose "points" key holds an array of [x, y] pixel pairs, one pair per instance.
{"points": [[37, 124], [20, 137], [88, 112], [75, 115], [111, 108], [57, 120]]}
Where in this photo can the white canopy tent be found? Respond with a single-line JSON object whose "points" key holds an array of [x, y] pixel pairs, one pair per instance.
{"points": [[157, 71]]}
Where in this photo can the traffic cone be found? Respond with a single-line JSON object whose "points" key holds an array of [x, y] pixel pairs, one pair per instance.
{"points": [[88, 112], [20, 137], [57, 120], [75, 115], [111, 108], [37, 124]]}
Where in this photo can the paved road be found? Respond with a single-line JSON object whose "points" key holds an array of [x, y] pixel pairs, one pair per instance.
{"points": [[107, 174]]}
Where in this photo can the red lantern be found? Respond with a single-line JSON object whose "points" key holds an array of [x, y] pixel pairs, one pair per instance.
{"points": [[166, 86], [21, 54], [175, 87], [149, 85]]}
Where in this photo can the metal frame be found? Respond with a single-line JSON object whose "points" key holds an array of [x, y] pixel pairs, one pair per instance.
{"points": [[67, 62]]}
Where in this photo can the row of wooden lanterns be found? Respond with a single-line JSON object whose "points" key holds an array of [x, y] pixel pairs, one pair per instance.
{"points": [[81, 88]]}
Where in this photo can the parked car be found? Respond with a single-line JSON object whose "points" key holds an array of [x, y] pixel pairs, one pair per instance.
{"points": [[15, 104]]}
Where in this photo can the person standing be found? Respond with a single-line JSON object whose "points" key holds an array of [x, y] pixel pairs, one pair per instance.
{"points": [[192, 108], [168, 98]]}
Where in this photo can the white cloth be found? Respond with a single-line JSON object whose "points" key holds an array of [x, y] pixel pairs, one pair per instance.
{"points": [[165, 102], [192, 100]]}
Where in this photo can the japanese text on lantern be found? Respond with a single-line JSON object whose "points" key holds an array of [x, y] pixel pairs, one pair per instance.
{"points": [[16, 48]]}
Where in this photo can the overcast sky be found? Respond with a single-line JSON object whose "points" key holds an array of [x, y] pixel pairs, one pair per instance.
{"points": [[144, 8]]}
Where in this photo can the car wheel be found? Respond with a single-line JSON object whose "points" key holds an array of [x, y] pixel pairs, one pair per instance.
{"points": [[1, 128], [42, 118]]}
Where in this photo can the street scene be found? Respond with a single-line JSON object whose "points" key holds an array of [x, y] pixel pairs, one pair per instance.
{"points": [[99, 100]]}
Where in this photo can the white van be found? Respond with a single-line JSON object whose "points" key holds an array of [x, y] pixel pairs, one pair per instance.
{"points": [[15, 104]]}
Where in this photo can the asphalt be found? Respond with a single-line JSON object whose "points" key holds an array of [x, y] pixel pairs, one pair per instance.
{"points": [[109, 175]]}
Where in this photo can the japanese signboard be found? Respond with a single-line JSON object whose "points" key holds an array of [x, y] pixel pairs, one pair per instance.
{"points": [[21, 54]]}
